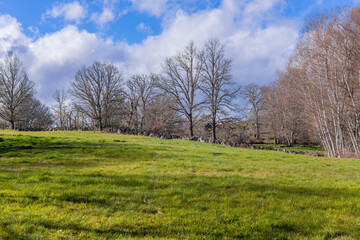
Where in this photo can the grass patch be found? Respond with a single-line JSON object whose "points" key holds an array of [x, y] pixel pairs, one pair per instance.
{"points": [[297, 148], [89, 185]]}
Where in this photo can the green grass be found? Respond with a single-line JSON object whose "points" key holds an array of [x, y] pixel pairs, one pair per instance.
{"points": [[297, 148], [306, 149], [87, 185]]}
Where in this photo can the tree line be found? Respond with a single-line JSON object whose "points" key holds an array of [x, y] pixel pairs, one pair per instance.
{"points": [[195, 84], [316, 100]]}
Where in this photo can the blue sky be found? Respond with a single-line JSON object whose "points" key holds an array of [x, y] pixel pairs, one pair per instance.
{"points": [[55, 38], [128, 18]]}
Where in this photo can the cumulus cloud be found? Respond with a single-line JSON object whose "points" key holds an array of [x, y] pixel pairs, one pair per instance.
{"points": [[257, 50], [11, 36], [56, 57], [104, 17], [71, 12]]}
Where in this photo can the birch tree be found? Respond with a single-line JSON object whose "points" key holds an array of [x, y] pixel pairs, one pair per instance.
{"points": [[326, 69]]}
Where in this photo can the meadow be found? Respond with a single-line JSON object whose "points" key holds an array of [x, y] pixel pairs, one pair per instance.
{"points": [[89, 185]]}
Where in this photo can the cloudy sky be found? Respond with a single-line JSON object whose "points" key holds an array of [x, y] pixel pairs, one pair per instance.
{"points": [[55, 38]]}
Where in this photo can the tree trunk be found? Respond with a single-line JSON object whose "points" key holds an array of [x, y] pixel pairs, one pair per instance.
{"points": [[100, 127], [214, 131], [12, 125], [69, 124], [257, 128], [191, 129], [142, 123]]}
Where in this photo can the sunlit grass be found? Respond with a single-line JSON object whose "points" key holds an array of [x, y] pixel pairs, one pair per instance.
{"points": [[88, 185]]}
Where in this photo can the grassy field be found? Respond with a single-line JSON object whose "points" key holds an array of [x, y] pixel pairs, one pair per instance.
{"points": [[297, 148], [87, 185]]}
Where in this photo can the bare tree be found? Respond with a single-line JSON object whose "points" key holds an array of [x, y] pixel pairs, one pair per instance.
{"points": [[284, 111], [271, 114], [217, 86], [325, 70], [61, 109], [181, 81], [133, 99], [253, 95], [15, 89], [141, 89], [76, 119], [161, 118], [98, 92], [35, 116]]}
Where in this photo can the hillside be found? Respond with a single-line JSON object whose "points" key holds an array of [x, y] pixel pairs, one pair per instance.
{"points": [[88, 185]]}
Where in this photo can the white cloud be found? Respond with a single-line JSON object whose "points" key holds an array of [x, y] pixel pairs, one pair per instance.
{"points": [[11, 36], [56, 57], [143, 28], [257, 7], [72, 12], [257, 50], [34, 30], [153, 7], [101, 19]]}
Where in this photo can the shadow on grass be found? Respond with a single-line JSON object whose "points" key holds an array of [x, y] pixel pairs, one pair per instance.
{"points": [[106, 190], [44, 152], [289, 190], [193, 192], [76, 227], [143, 194]]}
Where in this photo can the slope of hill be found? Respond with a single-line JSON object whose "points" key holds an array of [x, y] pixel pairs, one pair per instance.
{"points": [[88, 185]]}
